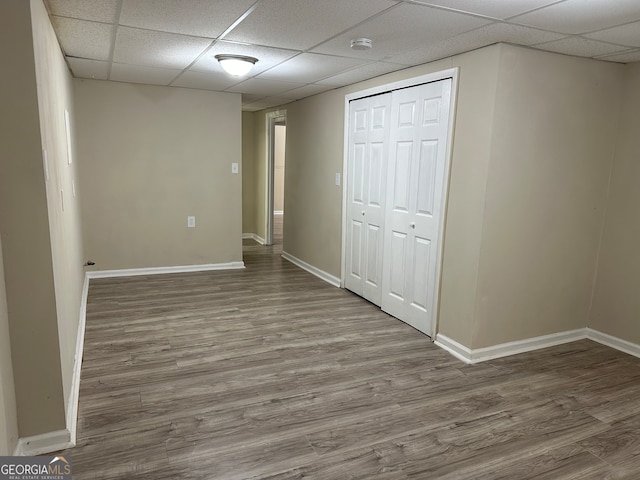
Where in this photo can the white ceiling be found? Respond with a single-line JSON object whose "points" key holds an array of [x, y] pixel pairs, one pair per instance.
{"points": [[303, 46]]}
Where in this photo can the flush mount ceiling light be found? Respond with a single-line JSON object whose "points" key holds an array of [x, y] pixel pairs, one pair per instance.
{"points": [[236, 65], [361, 43]]}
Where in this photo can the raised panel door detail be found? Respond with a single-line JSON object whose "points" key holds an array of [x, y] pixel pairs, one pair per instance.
{"points": [[356, 246], [378, 117], [360, 121], [431, 111], [420, 273], [426, 177], [376, 160], [357, 173], [398, 255], [374, 247], [406, 114], [401, 172]]}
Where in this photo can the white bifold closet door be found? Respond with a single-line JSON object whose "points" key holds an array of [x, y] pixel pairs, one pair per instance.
{"points": [[394, 226], [415, 191], [368, 152]]}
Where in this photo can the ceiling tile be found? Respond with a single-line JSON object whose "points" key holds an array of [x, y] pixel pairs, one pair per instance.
{"points": [[83, 68], [160, 49], [301, 24], [306, 91], [419, 25], [505, 32], [97, 10], [359, 74], [80, 38], [581, 47], [267, 56], [480, 37], [202, 18], [626, 57], [142, 74], [500, 9], [624, 34], [258, 86], [582, 16], [265, 103], [205, 80], [310, 67], [248, 98]]}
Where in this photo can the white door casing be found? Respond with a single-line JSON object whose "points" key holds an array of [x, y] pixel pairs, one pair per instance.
{"points": [[366, 185], [415, 194]]}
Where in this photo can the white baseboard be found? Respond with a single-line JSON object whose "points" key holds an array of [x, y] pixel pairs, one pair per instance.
{"points": [[454, 348], [43, 443], [131, 272], [72, 405], [614, 342], [327, 277], [510, 348], [521, 346], [253, 236]]}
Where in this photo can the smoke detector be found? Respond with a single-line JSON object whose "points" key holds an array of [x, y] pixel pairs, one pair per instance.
{"points": [[361, 43]]}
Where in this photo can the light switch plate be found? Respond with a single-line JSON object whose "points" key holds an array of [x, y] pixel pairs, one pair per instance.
{"points": [[191, 221], [337, 179], [234, 168]]}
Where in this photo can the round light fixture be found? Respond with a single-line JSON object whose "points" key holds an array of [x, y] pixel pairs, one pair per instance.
{"points": [[236, 65], [361, 43]]}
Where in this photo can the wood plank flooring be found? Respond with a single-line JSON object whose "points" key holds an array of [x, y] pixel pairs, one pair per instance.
{"points": [[270, 373]]}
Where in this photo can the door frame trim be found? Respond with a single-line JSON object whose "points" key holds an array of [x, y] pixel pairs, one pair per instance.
{"points": [[451, 73], [277, 117]]}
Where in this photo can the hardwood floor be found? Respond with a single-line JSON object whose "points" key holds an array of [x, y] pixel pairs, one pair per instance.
{"points": [[270, 373]]}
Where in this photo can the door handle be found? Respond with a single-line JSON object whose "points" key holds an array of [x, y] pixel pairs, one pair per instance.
{"points": [[412, 225], [363, 213]]}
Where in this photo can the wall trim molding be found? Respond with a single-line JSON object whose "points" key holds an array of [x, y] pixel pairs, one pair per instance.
{"points": [[456, 349], [477, 355], [614, 342], [74, 396], [510, 348], [321, 274], [253, 236], [130, 272], [43, 443]]}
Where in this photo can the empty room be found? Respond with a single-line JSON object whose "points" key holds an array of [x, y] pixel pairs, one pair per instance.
{"points": [[320, 239]]}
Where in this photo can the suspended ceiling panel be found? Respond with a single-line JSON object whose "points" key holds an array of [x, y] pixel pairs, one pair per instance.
{"points": [[303, 46]]}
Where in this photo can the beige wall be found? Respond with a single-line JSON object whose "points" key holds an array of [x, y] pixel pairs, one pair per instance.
{"points": [[248, 173], [280, 136], [315, 132], [55, 96], [616, 302], [554, 131], [533, 144], [24, 228], [8, 412], [151, 156]]}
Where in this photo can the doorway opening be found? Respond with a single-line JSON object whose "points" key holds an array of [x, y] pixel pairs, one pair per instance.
{"points": [[277, 128]]}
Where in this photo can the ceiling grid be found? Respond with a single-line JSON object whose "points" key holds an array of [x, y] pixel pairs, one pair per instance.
{"points": [[303, 46]]}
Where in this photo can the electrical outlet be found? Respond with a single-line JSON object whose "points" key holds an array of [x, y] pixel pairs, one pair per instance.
{"points": [[191, 221], [337, 179]]}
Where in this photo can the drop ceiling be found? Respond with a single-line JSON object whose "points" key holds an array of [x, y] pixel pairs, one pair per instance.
{"points": [[303, 46]]}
